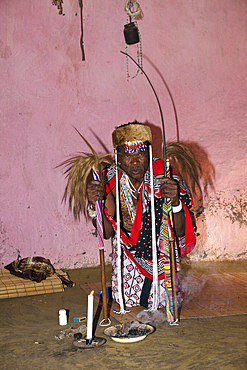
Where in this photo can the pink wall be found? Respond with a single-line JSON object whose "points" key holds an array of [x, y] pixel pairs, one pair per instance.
{"points": [[198, 48]]}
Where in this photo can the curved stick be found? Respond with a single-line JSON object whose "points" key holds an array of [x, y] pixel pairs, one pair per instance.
{"points": [[161, 113], [169, 93], [172, 257]]}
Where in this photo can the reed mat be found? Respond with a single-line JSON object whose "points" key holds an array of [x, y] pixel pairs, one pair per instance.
{"points": [[12, 286]]}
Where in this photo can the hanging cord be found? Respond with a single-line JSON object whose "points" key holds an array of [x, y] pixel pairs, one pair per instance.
{"points": [[129, 7], [119, 252], [138, 52], [81, 39]]}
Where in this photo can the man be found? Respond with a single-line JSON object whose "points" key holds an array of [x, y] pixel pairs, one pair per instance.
{"points": [[132, 144]]}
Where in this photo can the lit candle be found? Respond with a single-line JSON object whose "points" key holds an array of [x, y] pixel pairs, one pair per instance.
{"points": [[90, 315]]}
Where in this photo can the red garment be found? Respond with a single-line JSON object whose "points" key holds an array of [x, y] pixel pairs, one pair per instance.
{"points": [[158, 170], [136, 244]]}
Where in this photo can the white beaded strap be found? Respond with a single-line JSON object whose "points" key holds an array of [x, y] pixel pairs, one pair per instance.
{"points": [[178, 208], [154, 244], [119, 277]]}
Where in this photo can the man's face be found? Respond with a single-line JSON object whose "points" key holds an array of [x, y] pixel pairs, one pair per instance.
{"points": [[134, 164]]}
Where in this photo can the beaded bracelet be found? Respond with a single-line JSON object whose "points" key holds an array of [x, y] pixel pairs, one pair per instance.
{"points": [[178, 208]]}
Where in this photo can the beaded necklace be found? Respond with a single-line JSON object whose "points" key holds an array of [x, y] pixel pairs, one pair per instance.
{"points": [[128, 191], [132, 189]]}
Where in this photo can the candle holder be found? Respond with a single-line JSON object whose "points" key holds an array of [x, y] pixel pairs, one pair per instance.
{"points": [[85, 343]]}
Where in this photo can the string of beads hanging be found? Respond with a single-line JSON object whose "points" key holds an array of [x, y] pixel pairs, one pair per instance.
{"points": [[132, 33]]}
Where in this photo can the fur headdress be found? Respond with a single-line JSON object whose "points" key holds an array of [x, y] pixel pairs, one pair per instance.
{"points": [[132, 132]]}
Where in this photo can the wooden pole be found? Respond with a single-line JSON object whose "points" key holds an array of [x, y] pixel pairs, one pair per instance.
{"points": [[103, 284], [100, 232], [173, 271]]}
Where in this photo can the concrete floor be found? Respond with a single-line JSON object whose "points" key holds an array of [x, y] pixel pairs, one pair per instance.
{"points": [[28, 327]]}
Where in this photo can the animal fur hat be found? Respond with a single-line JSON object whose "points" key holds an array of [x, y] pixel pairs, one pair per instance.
{"points": [[131, 132]]}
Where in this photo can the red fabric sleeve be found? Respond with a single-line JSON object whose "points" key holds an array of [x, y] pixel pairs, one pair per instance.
{"points": [[190, 239]]}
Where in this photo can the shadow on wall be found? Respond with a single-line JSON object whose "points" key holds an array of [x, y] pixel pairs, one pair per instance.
{"points": [[201, 156], [207, 176], [102, 144], [207, 179], [207, 167]]}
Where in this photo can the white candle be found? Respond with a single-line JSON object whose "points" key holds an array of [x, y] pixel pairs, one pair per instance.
{"points": [[90, 315]]}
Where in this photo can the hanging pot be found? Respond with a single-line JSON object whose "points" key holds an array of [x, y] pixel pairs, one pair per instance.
{"points": [[131, 33]]}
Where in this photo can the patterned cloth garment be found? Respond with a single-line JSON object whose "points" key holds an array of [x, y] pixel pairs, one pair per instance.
{"points": [[136, 239]]}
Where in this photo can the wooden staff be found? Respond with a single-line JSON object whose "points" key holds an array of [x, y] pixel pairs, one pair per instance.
{"points": [[103, 283], [171, 236], [173, 271], [100, 233]]}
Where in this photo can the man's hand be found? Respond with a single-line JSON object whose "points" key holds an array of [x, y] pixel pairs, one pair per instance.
{"points": [[169, 189], [95, 191]]}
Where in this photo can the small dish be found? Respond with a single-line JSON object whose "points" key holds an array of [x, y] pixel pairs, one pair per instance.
{"points": [[114, 330]]}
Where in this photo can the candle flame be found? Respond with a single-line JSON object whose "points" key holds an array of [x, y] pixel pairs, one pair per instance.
{"points": [[91, 293]]}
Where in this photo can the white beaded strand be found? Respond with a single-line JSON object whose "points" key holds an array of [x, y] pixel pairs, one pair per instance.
{"points": [[119, 277], [154, 244], [131, 188]]}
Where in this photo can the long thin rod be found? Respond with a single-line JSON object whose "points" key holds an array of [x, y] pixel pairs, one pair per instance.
{"points": [[172, 254], [174, 290], [161, 113], [99, 223], [103, 284]]}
